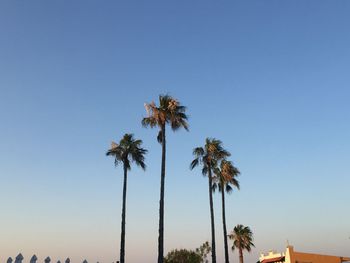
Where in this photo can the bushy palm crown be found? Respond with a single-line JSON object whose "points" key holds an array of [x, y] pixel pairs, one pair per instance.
{"points": [[169, 111], [209, 155], [242, 238], [128, 150], [225, 177]]}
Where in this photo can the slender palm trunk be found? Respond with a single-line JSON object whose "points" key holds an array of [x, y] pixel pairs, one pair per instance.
{"points": [[227, 260], [240, 255], [161, 201], [122, 238], [213, 250]]}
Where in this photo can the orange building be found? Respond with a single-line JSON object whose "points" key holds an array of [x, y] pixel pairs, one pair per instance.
{"points": [[292, 256]]}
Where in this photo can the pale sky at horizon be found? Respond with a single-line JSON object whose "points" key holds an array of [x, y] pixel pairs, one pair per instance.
{"points": [[268, 78]]}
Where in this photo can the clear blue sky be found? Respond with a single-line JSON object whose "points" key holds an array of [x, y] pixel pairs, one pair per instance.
{"points": [[269, 78]]}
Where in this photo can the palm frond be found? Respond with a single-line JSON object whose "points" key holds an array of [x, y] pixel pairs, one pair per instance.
{"points": [[198, 151], [228, 188], [235, 183], [149, 122], [194, 163], [205, 170]]}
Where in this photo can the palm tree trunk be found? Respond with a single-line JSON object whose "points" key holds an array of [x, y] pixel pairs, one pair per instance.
{"points": [[240, 255], [161, 201], [224, 223], [122, 238], [213, 250]]}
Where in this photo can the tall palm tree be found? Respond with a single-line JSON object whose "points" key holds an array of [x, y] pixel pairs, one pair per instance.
{"points": [[242, 238], [224, 181], [127, 151], [169, 112], [209, 156]]}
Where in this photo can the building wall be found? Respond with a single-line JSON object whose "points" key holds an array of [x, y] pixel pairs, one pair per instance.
{"points": [[292, 256], [298, 257]]}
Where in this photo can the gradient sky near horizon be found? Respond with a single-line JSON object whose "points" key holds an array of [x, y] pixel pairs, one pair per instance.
{"points": [[271, 79]]}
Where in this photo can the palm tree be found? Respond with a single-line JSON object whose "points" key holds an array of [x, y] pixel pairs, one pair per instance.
{"points": [[209, 156], [169, 112], [127, 151], [242, 238], [225, 179]]}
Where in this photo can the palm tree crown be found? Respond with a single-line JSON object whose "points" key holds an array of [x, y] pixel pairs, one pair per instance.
{"points": [[209, 155], [169, 111], [128, 150], [226, 177], [242, 238]]}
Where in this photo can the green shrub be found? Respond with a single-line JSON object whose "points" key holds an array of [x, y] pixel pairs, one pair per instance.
{"points": [[182, 256]]}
